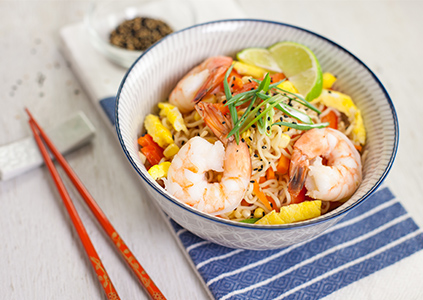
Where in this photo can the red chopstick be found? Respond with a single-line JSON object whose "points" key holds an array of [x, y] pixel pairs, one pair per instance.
{"points": [[146, 282], [76, 220]]}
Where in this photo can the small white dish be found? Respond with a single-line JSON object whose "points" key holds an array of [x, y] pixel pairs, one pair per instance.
{"points": [[103, 17]]}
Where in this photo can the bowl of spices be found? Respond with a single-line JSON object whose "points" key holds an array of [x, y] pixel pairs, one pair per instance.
{"points": [[122, 30]]}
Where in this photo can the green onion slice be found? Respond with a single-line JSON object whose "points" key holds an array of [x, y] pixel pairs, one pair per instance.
{"points": [[302, 126]]}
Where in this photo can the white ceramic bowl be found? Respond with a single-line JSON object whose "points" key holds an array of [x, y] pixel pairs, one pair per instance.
{"points": [[156, 72]]}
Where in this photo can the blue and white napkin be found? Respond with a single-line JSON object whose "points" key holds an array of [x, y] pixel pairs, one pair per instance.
{"points": [[375, 235], [376, 242]]}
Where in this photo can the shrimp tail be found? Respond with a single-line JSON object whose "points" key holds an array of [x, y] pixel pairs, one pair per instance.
{"points": [[298, 175], [216, 77], [218, 123]]}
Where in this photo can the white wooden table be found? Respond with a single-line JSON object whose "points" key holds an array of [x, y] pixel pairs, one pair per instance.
{"points": [[40, 254]]}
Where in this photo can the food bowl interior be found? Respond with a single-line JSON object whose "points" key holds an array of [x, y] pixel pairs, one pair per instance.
{"points": [[156, 72]]}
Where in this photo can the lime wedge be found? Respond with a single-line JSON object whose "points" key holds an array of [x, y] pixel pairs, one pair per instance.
{"points": [[259, 57], [301, 66]]}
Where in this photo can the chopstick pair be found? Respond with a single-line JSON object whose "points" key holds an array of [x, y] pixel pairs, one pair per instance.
{"points": [[146, 282]]}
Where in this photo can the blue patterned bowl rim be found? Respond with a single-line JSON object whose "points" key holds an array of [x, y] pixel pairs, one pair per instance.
{"points": [[246, 225]]}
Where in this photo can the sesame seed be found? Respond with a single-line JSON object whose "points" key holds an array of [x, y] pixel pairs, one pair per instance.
{"points": [[233, 84], [223, 122], [263, 147], [268, 128]]}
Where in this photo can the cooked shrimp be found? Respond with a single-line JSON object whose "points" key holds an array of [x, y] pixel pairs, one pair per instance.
{"points": [[198, 82], [335, 180], [187, 180]]}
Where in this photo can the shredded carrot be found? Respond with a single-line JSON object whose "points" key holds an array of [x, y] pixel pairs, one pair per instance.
{"points": [[272, 203], [283, 165], [332, 119], [261, 196], [262, 179], [270, 174], [358, 147]]}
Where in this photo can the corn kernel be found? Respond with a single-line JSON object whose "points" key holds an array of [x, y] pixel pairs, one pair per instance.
{"points": [[211, 140], [258, 212], [170, 151], [284, 141], [197, 117], [160, 170], [328, 80]]}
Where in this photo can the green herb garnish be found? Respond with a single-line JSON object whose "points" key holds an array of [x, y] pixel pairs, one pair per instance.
{"points": [[262, 112]]}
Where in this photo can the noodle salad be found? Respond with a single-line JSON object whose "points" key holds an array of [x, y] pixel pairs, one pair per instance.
{"points": [[240, 142]]}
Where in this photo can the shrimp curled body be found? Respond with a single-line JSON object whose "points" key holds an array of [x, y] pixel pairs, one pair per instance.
{"points": [[187, 180], [333, 178], [198, 82]]}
